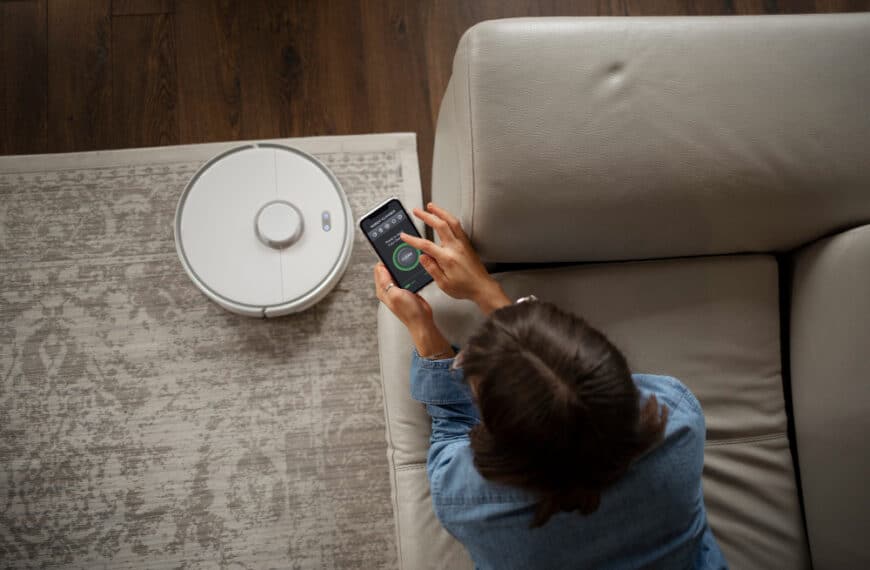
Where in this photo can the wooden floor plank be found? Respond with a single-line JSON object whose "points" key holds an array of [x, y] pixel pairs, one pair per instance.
{"points": [[842, 5], [397, 85], [302, 69], [270, 70], [271, 67], [79, 75], [142, 7], [144, 84], [207, 59], [341, 78], [23, 122]]}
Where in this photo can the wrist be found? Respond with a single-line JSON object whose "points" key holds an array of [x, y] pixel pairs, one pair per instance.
{"points": [[429, 341], [491, 297]]}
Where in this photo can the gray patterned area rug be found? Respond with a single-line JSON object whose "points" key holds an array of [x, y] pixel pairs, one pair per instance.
{"points": [[142, 426]]}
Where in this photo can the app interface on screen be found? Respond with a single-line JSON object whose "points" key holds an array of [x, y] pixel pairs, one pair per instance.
{"points": [[403, 261]]}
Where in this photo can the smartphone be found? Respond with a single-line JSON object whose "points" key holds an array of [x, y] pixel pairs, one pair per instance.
{"points": [[382, 225]]}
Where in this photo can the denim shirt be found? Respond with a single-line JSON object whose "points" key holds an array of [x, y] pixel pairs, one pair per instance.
{"points": [[653, 516]]}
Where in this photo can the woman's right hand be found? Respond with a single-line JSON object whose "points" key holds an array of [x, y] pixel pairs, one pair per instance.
{"points": [[454, 265]]}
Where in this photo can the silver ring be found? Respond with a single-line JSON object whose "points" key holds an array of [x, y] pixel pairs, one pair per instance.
{"points": [[387, 288]]}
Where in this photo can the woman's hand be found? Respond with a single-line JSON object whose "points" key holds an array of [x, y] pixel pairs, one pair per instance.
{"points": [[414, 312], [410, 308], [454, 265]]}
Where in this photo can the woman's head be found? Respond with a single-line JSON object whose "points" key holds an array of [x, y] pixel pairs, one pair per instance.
{"points": [[560, 413]]}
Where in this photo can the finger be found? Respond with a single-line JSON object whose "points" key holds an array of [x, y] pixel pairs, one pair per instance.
{"points": [[383, 279], [424, 245], [440, 226], [382, 275], [432, 268], [452, 221], [376, 277]]}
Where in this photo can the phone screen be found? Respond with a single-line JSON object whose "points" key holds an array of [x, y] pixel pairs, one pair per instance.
{"points": [[382, 228]]}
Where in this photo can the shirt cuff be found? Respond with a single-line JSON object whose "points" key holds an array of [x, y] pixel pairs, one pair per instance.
{"points": [[435, 363], [435, 382]]}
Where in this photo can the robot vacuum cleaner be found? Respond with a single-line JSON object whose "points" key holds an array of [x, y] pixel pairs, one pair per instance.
{"points": [[264, 230]]}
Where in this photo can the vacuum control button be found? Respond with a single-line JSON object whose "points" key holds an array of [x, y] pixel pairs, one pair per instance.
{"points": [[278, 224]]}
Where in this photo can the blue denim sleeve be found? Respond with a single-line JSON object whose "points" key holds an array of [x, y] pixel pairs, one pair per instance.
{"points": [[446, 395]]}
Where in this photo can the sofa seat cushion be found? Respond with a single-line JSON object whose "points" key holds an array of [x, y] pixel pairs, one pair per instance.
{"points": [[712, 322]]}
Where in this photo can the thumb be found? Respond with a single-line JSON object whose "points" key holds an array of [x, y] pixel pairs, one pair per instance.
{"points": [[382, 275]]}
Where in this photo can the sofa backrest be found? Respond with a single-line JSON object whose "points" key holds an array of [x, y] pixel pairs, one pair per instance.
{"points": [[597, 139]]}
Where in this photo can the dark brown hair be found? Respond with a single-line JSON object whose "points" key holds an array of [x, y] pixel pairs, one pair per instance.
{"points": [[560, 413]]}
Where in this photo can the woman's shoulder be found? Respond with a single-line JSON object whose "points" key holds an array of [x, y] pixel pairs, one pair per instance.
{"points": [[668, 391], [685, 430]]}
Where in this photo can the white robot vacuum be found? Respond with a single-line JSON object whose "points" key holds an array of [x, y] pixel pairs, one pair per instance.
{"points": [[264, 230]]}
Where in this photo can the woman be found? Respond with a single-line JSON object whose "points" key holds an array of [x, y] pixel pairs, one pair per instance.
{"points": [[546, 452]]}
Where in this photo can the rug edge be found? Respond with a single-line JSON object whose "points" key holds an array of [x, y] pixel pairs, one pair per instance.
{"points": [[399, 141]]}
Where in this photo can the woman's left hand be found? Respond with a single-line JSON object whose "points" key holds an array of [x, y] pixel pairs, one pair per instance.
{"points": [[414, 312], [410, 308]]}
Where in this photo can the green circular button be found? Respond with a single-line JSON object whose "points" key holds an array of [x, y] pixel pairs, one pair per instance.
{"points": [[397, 255]]}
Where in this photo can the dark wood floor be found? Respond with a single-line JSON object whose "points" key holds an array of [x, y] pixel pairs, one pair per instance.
{"points": [[96, 74]]}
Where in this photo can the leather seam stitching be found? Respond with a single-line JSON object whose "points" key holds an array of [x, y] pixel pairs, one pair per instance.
{"points": [[410, 467], [392, 458], [470, 130], [751, 439]]}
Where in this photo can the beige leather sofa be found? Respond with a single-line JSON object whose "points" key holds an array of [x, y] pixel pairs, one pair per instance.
{"points": [[703, 184]]}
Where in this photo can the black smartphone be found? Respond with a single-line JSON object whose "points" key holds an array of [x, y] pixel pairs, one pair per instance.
{"points": [[382, 225]]}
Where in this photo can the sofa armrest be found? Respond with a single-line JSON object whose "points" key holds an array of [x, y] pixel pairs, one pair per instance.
{"points": [[830, 341], [422, 542]]}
